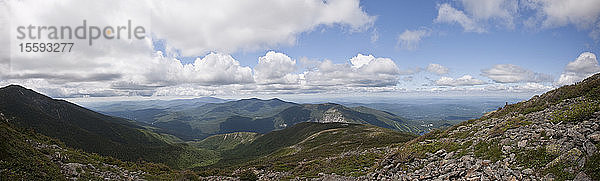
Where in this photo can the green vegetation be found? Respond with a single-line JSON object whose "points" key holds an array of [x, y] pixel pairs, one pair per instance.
{"points": [[592, 166], [247, 175], [27, 155], [114, 138], [512, 123], [194, 123], [352, 165], [559, 172], [534, 158], [489, 150], [301, 148], [20, 161], [208, 119], [273, 141], [416, 149], [92, 132], [578, 112], [312, 148], [388, 120]]}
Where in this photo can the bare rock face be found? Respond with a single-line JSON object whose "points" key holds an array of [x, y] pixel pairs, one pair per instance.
{"points": [[333, 116]]}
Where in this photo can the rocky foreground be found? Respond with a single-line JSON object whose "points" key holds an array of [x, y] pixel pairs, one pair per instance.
{"points": [[73, 170], [531, 146]]}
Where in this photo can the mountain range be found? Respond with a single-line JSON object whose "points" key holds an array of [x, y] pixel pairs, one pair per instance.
{"points": [[81, 131], [197, 120], [553, 136]]}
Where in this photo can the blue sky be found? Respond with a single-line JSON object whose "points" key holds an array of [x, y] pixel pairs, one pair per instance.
{"points": [[547, 50], [311, 48]]}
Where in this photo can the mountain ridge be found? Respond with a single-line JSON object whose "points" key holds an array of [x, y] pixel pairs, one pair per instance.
{"points": [[261, 116], [90, 131]]}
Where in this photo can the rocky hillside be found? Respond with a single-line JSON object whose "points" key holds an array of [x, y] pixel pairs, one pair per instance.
{"points": [[26, 155], [552, 136], [308, 150]]}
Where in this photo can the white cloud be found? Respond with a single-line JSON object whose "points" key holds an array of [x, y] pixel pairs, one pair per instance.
{"points": [[502, 10], [410, 40], [465, 80], [230, 25], [448, 14], [509, 73], [123, 67], [437, 69], [530, 87], [584, 66], [363, 71], [478, 14], [212, 69], [275, 68], [584, 14]]}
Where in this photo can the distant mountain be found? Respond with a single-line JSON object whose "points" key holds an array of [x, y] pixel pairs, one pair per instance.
{"points": [[436, 113], [146, 111], [256, 115], [216, 118], [93, 132]]}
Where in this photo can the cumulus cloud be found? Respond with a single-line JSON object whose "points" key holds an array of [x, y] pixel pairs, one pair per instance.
{"points": [[584, 66], [212, 69], [363, 71], [229, 25], [465, 80], [126, 67], [448, 14], [437, 69], [275, 68], [410, 40], [509, 73]]}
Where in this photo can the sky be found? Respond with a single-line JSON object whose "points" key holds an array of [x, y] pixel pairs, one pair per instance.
{"points": [[303, 48]]}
